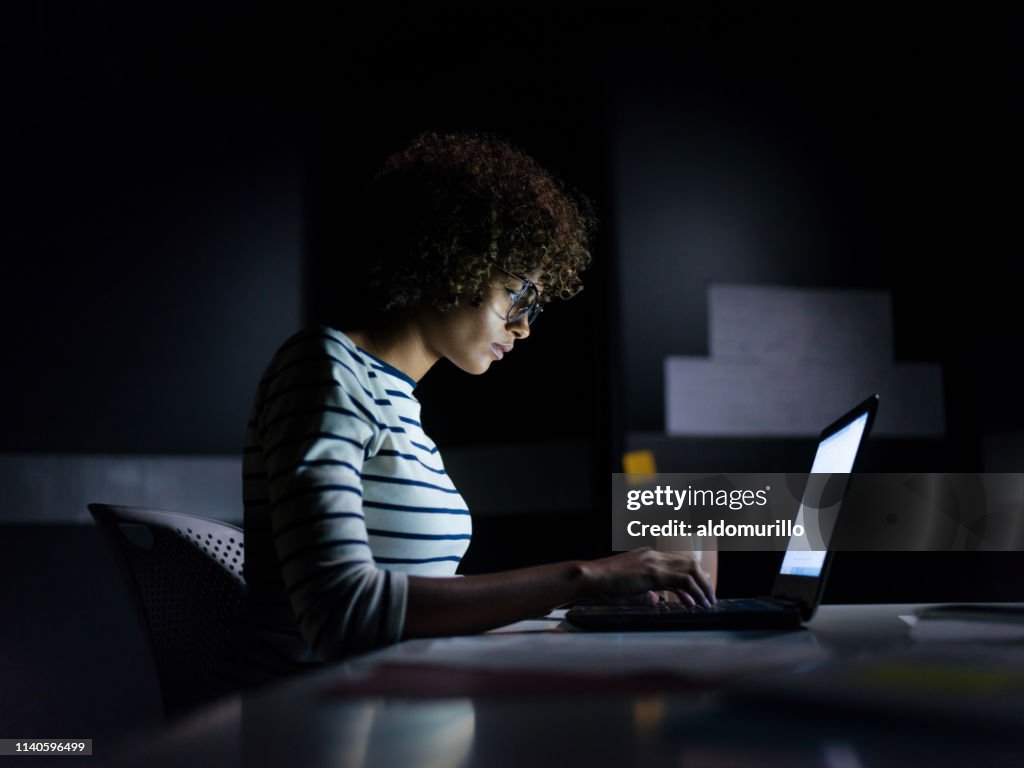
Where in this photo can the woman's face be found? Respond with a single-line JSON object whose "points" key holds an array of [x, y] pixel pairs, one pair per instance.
{"points": [[473, 338]]}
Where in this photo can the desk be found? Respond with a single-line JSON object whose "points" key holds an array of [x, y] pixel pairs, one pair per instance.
{"points": [[641, 698]]}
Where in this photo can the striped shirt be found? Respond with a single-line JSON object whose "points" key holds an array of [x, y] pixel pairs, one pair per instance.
{"points": [[345, 495]]}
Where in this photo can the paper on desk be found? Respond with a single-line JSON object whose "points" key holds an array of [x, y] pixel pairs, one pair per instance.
{"points": [[967, 623], [529, 625], [962, 630], [550, 623]]}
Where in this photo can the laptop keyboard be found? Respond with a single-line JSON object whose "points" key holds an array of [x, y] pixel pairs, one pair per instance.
{"points": [[739, 605]]}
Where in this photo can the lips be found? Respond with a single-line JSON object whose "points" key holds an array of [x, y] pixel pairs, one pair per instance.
{"points": [[500, 350]]}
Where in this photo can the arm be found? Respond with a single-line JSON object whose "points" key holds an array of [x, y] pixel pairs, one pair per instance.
{"points": [[314, 438], [476, 603], [314, 448]]}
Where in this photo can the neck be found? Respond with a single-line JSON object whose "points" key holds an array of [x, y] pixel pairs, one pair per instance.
{"points": [[399, 343]]}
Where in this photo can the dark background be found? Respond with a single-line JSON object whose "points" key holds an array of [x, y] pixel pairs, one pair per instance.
{"points": [[182, 186]]}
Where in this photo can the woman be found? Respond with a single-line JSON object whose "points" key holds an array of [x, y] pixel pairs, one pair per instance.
{"points": [[352, 526]]}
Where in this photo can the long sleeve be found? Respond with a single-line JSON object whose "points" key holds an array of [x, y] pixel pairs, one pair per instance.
{"points": [[316, 429]]}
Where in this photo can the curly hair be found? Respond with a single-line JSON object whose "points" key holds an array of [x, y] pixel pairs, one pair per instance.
{"points": [[451, 206]]}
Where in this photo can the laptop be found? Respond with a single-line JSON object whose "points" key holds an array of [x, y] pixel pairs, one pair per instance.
{"points": [[801, 579]]}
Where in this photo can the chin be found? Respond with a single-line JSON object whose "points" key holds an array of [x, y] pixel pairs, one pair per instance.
{"points": [[472, 367]]}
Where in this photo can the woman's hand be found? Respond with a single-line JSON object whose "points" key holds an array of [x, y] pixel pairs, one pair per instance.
{"points": [[640, 575]]}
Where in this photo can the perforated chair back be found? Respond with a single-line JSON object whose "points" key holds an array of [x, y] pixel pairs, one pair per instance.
{"points": [[185, 576]]}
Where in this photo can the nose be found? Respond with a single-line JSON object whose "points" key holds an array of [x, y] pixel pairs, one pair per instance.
{"points": [[520, 328]]}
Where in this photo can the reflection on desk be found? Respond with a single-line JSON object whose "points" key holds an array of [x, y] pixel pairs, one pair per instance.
{"points": [[650, 698], [670, 656]]}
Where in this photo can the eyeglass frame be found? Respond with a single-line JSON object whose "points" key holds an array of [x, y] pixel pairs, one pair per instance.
{"points": [[532, 310]]}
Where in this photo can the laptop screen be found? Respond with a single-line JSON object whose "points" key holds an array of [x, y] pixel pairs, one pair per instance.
{"points": [[835, 454]]}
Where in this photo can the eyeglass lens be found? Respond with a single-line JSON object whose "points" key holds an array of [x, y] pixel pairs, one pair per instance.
{"points": [[525, 303]]}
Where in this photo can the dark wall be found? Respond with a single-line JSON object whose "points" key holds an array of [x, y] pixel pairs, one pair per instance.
{"points": [[152, 234], [862, 150], [181, 163], [182, 189]]}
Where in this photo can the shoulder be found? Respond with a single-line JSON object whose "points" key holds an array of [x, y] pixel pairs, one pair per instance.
{"points": [[315, 339], [324, 347], [320, 355]]}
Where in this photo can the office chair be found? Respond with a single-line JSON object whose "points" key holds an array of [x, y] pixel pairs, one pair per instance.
{"points": [[185, 577]]}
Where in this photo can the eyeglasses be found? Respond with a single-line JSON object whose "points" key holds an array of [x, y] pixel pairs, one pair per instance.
{"points": [[525, 301]]}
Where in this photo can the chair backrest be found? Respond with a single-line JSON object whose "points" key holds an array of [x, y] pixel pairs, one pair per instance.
{"points": [[185, 577]]}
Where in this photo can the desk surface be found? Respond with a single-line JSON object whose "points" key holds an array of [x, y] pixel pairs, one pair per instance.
{"points": [[857, 688]]}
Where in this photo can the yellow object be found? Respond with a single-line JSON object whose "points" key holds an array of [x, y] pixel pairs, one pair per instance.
{"points": [[941, 678], [638, 463], [648, 716], [639, 467]]}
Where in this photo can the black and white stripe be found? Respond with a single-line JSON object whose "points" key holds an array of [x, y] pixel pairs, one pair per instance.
{"points": [[345, 495]]}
